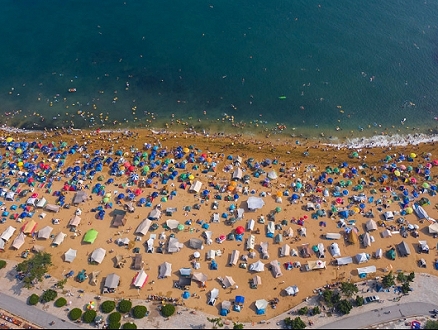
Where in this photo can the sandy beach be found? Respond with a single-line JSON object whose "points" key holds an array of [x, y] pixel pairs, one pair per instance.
{"points": [[298, 165]]}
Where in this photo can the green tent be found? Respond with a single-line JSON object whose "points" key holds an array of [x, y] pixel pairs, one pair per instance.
{"points": [[390, 254], [90, 236]]}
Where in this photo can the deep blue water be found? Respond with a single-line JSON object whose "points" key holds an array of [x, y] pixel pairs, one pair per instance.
{"points": [[339, 63]]}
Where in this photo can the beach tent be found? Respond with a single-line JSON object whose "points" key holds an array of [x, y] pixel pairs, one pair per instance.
{"points": [[264, 250], [305, 251], [93, 277], [388, 215], [196, 243], [378, 254], [227, 282], [195, 187], [112, 281], [98, 255], [165, 270], [352, 236], [172, 224], [37, 248], [18, 242], [10, 196], [275, 268], [155, 214], [261, 305], [140, 279], [237, 174], [207, 235], [225, 307], [433, 228], [2, 245], [421, 213], [292, 290], [214, 293], [403, 249], [80, 197], [310, 207], [70, 255], [59, 238], [143, 227], [257, 267], [7, 234], [199, 277], [270, 229], [390, 254], [41, 203], [174, 245], [137, 261], [321, 251], [29, 227], [119, 218], [250, 242], [361, 257], [366, 270], [371, 225], [272, 175], [332, 236], [344, 261], [255, 203], [44, 233], [256, 281], [31, 201], [240, 213], [366, 240], [75, 221], [216, 217], [90, 236], [386, 233], [234, 257], [211, 254], [52, 208], [250, 225], [424, 248], [334, 249], [315, 265], [285, 250], [289, 232]]}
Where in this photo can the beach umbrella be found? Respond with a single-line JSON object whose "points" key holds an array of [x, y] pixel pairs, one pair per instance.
{"points": [[397, 173], [91, 305], [345, 192], [295, 197], [120, 196], [278, 209], [413, 155], [425, 185], [240, 230], [142, 200], [180, 227]]}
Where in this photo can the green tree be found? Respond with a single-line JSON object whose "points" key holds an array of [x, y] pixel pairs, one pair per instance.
{"points": [[75, 314], [34, 268], [129, 325], [114, 317], [60, 302], [124, 306], [238, 325], [139, 311], [344, 306], [107, 306], [359, 301], [2, 264], [167, 310], [89, 316], [33, 299], [401, 277], [431, 324], [411, 277], [114, 325], [303, 310], [327, 296], [48, 295], [388, 280], [61, 283], [349, 289], [316, 310], [295, 323], [336, 297], [405, 288], [215, 322]]}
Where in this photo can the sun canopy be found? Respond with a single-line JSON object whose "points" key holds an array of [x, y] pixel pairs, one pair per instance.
{"points": [[196, 243], [165, 270], [59, 238], [316, 264], [140, 279], [155, 214], [143, 227], [200, 277], [174, 245], [98, 255], [172, 223], [90, 236], [195, 187], [228, 282], [261, 304], [80, 197], [29, 227], [255, 203], [367, 270], [44, 233], [112, 281], [75, 221], [70, 255], [433, 228], [7, 234], [18, 241], [371, 225], [214, 293]]}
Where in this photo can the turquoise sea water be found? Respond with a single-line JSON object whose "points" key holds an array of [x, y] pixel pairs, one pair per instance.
{"points": [[339, 63]]}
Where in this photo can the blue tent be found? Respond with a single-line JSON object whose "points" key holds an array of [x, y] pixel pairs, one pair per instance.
{"points": [[186, 295], [223, 312], [343, 214]]}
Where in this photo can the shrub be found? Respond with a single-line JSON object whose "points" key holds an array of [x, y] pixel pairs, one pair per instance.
{"points": [[316, 310], [344, 306], [129, 325], [107, 306], [48, 295], [60, 302], [124, 306], [295, 323], [114, 317], [89, 316], [33, 299], [167, 310], [303, 310], [139, 311], [359, 301], [75, 314], [114, 325], [2, 264]]}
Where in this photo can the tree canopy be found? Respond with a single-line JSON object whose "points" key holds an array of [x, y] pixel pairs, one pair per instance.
{"points": [[349, 289], [35, 268]]}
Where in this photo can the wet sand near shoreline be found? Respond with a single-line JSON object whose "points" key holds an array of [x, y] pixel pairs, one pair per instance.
{"points": [[304, 159]]}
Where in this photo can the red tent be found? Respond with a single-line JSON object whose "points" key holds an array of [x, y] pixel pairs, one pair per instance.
{"points": [[240, 230]]}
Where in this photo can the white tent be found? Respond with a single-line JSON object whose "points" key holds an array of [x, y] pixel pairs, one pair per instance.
{"points": [[240, 213], [59, 239], [421, 213], [333, 236], [261, 304], [174, 245], [10, 196], [195, 186], [143, 227], [361, 257], [172, 223], [258, 266], [75, 221], [335, 251], [371, 225], [165, 270], [264, 250], [207, 235], [292, 290], [255, 203], [378, 254], [2, 244], [45, 232], [285, 250], [200, 277], [250, 242], [140, 279], [211, 254], [272, 175], [18, 241], [270, 228], [237, 174], [234, 257], [112, 281], [41, 203], [423, 246], [275, 268], [344, 261], [386, 233], [366, 240], [251, 224], [31, 201], [367, 270], [257, 280], [98, 255], [70, 255], [155, 214], [214, 293], [289, 232], [315, 265], [228, 282], [433, 228], [7, 234]]}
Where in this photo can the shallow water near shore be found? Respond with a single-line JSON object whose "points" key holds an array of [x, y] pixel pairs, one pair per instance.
{"points": [[315, 67]]}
